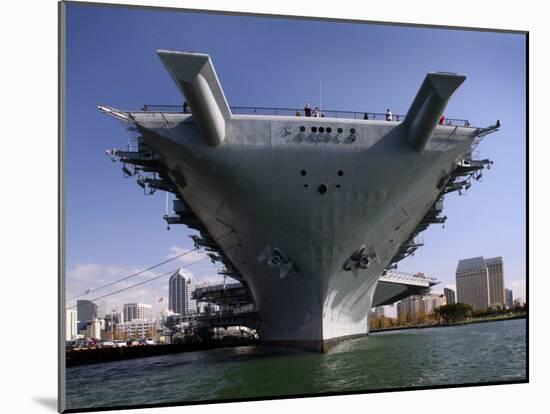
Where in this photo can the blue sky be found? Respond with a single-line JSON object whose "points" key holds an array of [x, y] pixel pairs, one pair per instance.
{"points": [[112, 229]]}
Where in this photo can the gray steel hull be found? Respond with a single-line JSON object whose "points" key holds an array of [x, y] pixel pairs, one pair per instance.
{"points": [[250, 193]]}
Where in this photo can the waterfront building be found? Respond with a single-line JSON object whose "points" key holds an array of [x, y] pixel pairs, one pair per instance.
{"points": [[409, 308], [415, 306], [86, 311], [480, 282], [180, 288], [509, 298], [449, 296], [136, 328], [139, 311], [71, 325], [472, 283], [431, 301]]}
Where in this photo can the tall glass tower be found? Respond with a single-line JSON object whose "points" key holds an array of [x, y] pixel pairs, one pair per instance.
{"points": [[179, 293]]}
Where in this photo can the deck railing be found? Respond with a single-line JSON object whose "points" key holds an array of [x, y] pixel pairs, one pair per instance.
{"points": [[261, 110]]}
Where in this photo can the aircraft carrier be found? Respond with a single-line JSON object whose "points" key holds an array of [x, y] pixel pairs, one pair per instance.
{"points": [[308, 213]]}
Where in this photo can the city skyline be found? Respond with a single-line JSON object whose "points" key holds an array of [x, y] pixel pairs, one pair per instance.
{"points": [[387, 310], [114, 213]]}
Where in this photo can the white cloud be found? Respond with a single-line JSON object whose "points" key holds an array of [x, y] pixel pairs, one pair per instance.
{"points": [[93, 276]]}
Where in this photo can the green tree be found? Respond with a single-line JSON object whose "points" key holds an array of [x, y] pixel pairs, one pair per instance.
{"points": [[455, 312]]}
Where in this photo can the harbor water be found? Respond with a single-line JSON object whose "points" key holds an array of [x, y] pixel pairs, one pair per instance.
{"points": [[476, 353]]}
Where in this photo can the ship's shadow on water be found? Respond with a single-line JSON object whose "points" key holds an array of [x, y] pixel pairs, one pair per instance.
{"points": [[491, 352]]}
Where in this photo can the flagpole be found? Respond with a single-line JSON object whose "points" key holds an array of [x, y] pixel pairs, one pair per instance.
{"points": [[320, 97]]}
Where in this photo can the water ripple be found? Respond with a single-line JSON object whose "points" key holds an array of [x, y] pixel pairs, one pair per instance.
{"points": [[411, 358]]}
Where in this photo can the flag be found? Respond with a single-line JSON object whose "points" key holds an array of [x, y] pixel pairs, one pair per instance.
{"points": [[160, 300], [88, 291]]}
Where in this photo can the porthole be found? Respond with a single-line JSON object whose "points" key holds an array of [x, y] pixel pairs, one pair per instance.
{"points": [[306, 185], [352, 131], [322, 189], [303, 172], [302, 128], [321, 130], [313, 129], [340, 130], [329, 130], [338, 185], [340, 173]]}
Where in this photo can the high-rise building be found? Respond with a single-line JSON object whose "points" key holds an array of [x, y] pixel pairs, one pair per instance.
{"points": [[408, 308], [86, 311], [472, 283], [180, 287], [71, 325], [495, 268], [139, 311], [509, 297], [480, 282], [449, 296]]}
